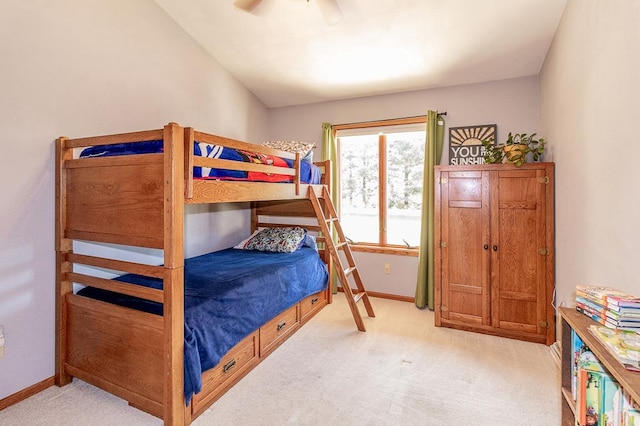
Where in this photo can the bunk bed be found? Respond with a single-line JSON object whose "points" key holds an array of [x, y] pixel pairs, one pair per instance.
{"points": [[131, 335]]}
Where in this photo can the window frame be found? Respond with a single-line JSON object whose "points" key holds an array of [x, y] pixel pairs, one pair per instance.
{"points": [[387, 127]]}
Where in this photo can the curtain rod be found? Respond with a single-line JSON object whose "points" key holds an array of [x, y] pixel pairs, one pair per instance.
{"points": [[362, 123]]}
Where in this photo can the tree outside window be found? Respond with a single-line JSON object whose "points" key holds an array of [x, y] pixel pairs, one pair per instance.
{"points": [[381, 185]]}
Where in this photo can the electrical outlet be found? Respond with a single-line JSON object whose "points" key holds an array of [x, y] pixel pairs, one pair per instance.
{"points": [[1, 341], [387, 268]]}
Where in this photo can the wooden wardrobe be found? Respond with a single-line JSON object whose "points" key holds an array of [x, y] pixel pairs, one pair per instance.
{"points": [[494, 250]]}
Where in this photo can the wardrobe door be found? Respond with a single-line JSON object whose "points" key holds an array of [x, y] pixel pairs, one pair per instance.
{"points": [[519, 250], [464, 247]]}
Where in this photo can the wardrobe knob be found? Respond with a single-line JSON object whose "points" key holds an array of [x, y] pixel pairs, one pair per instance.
{"points": [[495, 248], [486, 246]]}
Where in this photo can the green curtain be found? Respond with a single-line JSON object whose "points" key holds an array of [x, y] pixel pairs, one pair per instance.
{"points": [[330, 152], [432, 154]]}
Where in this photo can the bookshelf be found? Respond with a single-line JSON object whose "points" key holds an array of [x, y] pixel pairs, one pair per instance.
{"points": [[572, 319]]}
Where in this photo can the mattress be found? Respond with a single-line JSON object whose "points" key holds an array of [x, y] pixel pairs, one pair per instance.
{"points": [[228, 295], [309, 173]]}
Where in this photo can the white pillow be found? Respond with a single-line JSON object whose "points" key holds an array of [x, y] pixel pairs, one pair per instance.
{"points": [[305, 149]]}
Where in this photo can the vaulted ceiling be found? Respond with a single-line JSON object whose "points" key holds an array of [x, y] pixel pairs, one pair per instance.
{"points": [[287, 53]]}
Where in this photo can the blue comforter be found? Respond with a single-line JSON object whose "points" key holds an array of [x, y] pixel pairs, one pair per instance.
{"points": [[228, 295], [309, 173]]}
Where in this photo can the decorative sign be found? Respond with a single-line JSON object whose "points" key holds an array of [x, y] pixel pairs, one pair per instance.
{"points": [[465, 143]]}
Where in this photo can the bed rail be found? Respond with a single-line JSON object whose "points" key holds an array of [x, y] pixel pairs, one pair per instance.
{"points": [[191, 136], [146, 293], [132, 137]]}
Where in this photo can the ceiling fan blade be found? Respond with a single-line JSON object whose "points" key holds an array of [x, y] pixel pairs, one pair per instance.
{"points": [[330, 11], [246, 5]]}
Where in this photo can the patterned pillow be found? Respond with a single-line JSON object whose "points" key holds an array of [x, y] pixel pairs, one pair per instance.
{"points": [[305, 149], [281, 240]]}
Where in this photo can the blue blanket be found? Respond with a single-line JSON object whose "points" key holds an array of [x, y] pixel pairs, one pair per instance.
{"points": [[309, 173], [228, 295]]}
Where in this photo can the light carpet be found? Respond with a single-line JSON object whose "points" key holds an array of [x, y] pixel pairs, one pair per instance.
{"points": [[402, 371]]}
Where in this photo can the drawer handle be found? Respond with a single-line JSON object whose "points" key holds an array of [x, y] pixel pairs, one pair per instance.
{"points": [[314, 300], [281, 325], [228, 366]]}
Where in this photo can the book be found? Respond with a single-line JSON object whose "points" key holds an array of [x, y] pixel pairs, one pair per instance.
{"points": [[610, 408], [624, 303], [581, 388], [594, 316], [623, 327], [608, 295], [577, 348], [631, 417], [604, 315], [589, 401], [607, 321], [591, 306], [629, 410], [623, 310], [584, 362], [588, 361], [623, 322], [624, 317], [592, 301], [624, 345]]}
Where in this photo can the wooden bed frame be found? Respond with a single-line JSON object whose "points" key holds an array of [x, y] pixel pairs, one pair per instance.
{"points": [[138, 200]]}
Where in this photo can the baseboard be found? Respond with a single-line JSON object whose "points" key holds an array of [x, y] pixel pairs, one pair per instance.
{"points": [[556, 352], [26, 393]]}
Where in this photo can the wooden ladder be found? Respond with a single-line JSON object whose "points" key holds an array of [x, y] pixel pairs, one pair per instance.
{"points": [[353, 295]]}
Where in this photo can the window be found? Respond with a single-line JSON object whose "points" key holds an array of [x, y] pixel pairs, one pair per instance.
{"points": [[380, 181]]}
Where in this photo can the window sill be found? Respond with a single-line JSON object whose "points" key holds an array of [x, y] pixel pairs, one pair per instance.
{"points": [[385, 250]]}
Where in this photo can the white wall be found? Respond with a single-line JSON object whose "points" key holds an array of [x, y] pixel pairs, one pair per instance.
{"points": [[80, 68], [511, 104], [590, 88]]}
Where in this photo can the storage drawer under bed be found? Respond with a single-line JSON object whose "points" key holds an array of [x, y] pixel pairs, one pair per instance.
{"points": [[231, 368], [312, 304], [276, 331]]}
